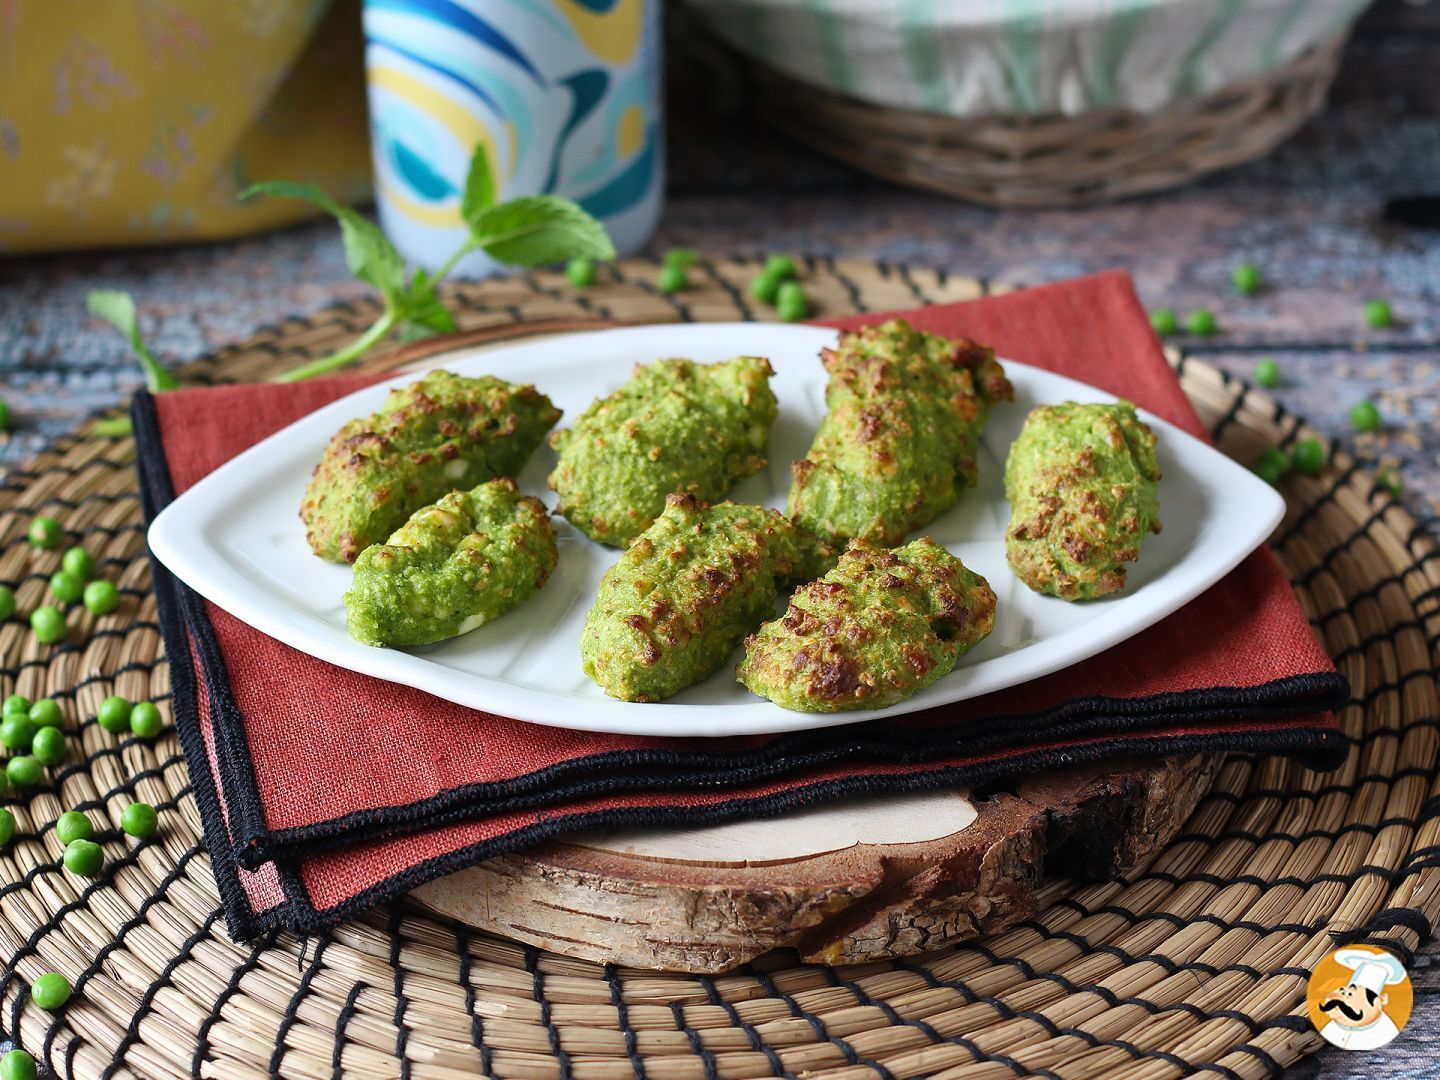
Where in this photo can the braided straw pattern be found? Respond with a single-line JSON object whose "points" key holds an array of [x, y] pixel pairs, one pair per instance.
{"points": [[1054, 160], [1198, 961]]}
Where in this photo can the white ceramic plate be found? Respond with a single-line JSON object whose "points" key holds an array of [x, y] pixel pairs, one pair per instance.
{"points": [[236, 538]]}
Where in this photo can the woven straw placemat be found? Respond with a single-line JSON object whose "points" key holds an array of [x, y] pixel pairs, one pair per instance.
{"points": [[1198, 961]]}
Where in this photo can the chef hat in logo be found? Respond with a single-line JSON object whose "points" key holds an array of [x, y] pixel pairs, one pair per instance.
{"points": [[1373, 971]]}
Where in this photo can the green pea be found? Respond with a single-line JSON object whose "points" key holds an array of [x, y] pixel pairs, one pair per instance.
{"points": [[1201, 323], [145, 720], [114, 714], [1267, 373], [17, 1065], [581, 272], [682, 257], [1365, 416], [1269, 472], [84, 858], [24, 771], [1378, 314], [1164, 321], [781, 266], [45, 532], [7, 826], [1390, 480], [139, 819], [1246, 277], [7, 602], [50, 991], [16, 703], [4, 416], [66, 586], [763, 287], [48, 625], [1309, 456], [46, 713], [101, 597], [1273, 455], [79, 562], [48, 747], [73, 825], [17, 732], [790, 302], [672, 279]]}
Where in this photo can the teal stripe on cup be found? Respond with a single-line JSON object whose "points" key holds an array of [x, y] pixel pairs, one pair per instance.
{"points": [[1188, 81], [927, 65], [1021, 50], [831, 34], [1115, 42]]}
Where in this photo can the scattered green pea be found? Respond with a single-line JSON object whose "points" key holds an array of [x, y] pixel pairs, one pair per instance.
{"points": [[45, 532], [48, 746], [7, 826], [101, 597], [1246, 277], [1201, 323], [17, 732], [79, 562], [139, 820], [50, 991], [15, 703], [114, 714], [1309, 456], [1390, 480], [24, 771], [1267, 373], [1378, 314], [7, 602], [48, 625], [581, 272], [790, 302], [145, 720], [672, 279], [17, 1065], [1268, 471], [763, 287], [66, 586], [1164, 321], [1365, 416], [1274, 454], [4, 416], [781, 266], [682, 257], [73, 825], [46, 713], [84, 858]]}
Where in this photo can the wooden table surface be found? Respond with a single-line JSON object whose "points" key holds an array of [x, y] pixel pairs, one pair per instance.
{"points": [[1311, 217]]}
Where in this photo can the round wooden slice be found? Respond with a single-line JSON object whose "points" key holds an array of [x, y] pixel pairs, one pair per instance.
{"points": [[846, 882]]}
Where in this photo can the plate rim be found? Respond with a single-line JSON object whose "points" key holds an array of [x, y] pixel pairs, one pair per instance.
{"points": [[187, 563]]}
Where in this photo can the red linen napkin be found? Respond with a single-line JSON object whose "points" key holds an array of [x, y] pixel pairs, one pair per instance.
{"points": [[318, 808]]}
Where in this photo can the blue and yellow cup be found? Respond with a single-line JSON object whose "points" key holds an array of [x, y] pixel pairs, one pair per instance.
{"points": [[565, 96]]}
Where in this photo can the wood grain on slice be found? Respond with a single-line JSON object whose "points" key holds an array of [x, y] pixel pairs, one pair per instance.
{"points": [[840, 883]]}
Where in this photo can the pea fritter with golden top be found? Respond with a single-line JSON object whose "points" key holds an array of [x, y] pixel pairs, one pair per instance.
{"points": [[675, 426], [685, 593], [899, 440], [879, 627], [443, 433], [454, 566], [1081, 480]]}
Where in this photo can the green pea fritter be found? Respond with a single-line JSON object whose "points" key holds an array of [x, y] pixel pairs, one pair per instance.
{"points": [[899, 439], [443, 433], [468, 559], [685, 593], [676, 426], [1082, 483], [881, 626]]}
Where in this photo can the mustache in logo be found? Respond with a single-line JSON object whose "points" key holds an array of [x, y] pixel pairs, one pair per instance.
{"points": [[1344, 1010]]}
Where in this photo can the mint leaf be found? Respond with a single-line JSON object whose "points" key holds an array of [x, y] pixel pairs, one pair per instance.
{"points": [[480, 192], [368, 252], [537, 229], [118, 309]]}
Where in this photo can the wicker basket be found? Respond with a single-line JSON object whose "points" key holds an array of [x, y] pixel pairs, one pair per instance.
{"points": [[1055, 160]]}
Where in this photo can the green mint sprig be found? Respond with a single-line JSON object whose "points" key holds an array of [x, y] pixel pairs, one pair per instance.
{"points": [[531, 230]]}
